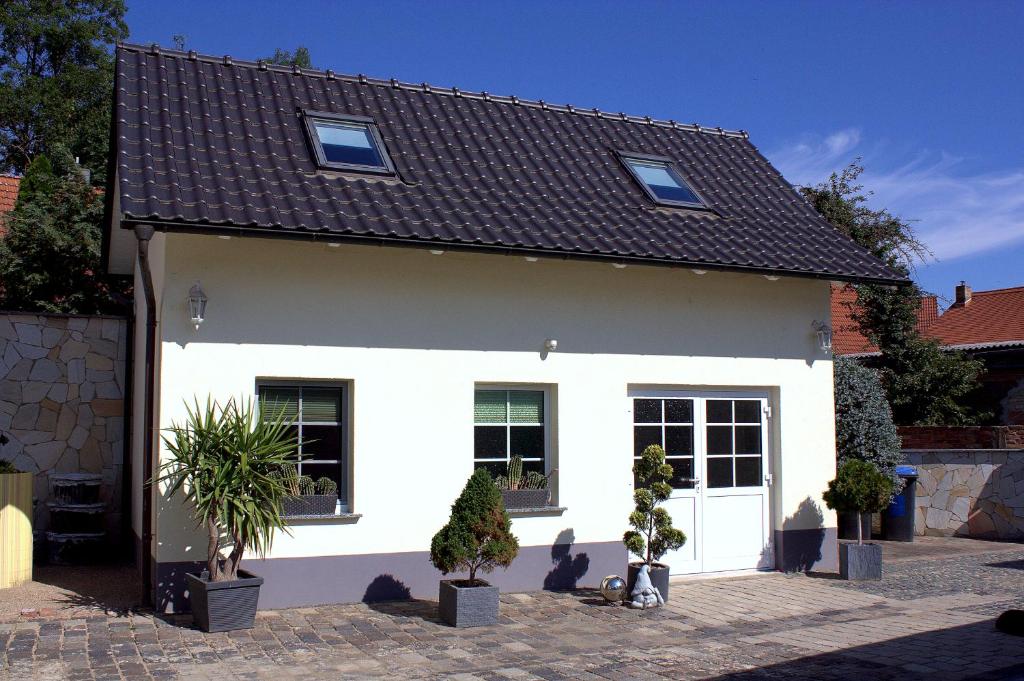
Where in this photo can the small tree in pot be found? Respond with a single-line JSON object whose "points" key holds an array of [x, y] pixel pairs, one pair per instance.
{"points": [[477, 538], [652, 535], [227, 462], [859, 487]]}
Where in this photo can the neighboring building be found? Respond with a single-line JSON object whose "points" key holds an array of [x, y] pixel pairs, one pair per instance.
{"points": [[987, 325], [440, 279], [9, 185]]}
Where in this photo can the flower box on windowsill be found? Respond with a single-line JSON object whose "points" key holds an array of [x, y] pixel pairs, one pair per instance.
{"points": [[310, 505], [525, 498]]}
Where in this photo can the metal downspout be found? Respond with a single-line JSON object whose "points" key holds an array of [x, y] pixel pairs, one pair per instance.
{"points": [[143, 233]]}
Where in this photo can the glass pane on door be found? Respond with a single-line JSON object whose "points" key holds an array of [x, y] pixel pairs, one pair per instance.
{"points": [[668, 423], [733, 443]]}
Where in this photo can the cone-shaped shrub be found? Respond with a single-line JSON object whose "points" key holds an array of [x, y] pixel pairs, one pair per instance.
{"points": [[652, 535], [479, 534], [859, 487]]}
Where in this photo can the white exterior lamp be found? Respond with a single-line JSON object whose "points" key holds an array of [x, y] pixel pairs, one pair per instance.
{"points": [[824, 333], [196, 305]]}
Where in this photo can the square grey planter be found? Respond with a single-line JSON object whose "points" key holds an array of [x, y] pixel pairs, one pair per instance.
{"points": [[658, 573], [309, 504], [468, 606], [525, 498], [224, 606], [860, 561]]}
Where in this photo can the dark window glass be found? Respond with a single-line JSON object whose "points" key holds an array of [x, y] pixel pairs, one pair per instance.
{"points": [[748, 439], [647, 411], [719, 439], [495, 468], [644, 436], [719, 411], [678, 440], [348, 143], [748, 411], [748, 471], [527, 442], [534, 466], [663, 181], [682, 473], [719, 471], [489, 442], [678, 411], [321, 442]]}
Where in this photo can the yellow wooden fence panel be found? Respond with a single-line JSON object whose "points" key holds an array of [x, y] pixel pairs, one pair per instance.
{"points": [[15, 529]]}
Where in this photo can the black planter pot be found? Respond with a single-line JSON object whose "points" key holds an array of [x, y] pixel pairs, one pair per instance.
{"points": [[658, 575], [860, 561], [848, 525], [309, 504], [462, 605], [224, 606], [524, 498]]}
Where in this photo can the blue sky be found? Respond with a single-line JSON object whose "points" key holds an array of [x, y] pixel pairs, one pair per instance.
{"points": [[930, 94]]}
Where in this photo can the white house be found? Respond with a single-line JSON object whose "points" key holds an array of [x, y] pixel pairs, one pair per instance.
{"points": [[446, 279]]}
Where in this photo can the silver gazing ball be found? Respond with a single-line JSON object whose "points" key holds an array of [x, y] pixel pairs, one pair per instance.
{"points": [[613, 588]]}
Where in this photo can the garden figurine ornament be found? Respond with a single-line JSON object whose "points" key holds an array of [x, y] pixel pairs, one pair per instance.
{"points": [[644, 594]]}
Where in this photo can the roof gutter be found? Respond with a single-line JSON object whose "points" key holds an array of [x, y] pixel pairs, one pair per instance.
{"points": [[144, 233], [263, 232]]}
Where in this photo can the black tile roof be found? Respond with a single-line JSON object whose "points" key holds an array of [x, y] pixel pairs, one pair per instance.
{"points": [[207, 143]]}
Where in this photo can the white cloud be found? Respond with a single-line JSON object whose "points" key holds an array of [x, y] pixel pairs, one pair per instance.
{"points": [[955, 213]]}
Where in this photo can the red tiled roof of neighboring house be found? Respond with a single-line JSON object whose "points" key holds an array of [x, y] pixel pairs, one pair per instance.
{"points": [[847, 338], [985, 318], [8, 192]]}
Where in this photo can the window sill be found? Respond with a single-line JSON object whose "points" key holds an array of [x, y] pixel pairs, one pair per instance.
{"points": [[537, 511], [340, 518]]}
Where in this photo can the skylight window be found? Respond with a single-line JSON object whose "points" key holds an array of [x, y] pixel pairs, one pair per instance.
{"points": [[347, 143], [661, 181]]}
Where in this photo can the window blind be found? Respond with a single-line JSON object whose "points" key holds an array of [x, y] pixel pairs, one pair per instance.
{"points": [[526, 406], [489, 407]]}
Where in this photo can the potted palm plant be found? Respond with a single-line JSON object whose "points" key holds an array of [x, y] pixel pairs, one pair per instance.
{"points": [[227, 462], [859, 487], [652, 535], [477, 538], [519, 490]]}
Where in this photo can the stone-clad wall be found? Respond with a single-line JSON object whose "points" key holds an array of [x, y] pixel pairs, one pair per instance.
{"points": [[970, 492], [62, 382]]}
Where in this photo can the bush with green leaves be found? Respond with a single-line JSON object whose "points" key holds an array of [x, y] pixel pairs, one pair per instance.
{"points": [[652, 535], [859, 487], [227, 462], [478, 536], [864, 425]]}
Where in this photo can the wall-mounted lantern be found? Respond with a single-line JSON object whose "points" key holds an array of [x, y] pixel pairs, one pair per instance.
{"points": [[824, 333], [196, 305]]}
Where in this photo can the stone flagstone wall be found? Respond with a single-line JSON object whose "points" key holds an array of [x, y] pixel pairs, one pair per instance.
{"points": [[62, 388], [970, 492]]}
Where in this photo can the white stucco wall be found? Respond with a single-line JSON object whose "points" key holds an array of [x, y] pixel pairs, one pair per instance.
{"points": [[414, 332]]}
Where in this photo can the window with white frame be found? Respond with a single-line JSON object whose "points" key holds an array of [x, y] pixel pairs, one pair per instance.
{"points": [[318, 422], [507, 423]]}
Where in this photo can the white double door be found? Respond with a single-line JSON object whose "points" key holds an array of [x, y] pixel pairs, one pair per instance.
{"points": [[717, 444]]}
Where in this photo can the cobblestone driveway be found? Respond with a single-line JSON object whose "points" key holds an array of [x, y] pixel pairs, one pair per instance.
{"points": [[928, 619]]}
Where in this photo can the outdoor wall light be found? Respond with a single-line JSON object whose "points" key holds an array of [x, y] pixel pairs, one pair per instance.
{"points": [[619, 265], [824, 333], [551, 345], [196, 305], [699, 273]]}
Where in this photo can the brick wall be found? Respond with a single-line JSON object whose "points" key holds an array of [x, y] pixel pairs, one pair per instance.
{"points": [[962, 437]]}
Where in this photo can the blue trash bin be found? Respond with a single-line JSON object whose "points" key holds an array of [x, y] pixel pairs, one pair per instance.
{"points": [[898, 518]]}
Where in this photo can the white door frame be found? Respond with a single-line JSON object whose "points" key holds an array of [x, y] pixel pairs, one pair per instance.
{"points": [[696, 560]]}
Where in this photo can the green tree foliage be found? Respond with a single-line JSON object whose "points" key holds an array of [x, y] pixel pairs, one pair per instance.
{"points": [[859, 487], [227, 462], [652, 535], [51, 255], [56, 79], [300, 58], [864, 427], [478, 536], [924, 385]]}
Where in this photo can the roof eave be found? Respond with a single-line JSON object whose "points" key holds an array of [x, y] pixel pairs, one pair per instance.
{"points": [[128, 222]]}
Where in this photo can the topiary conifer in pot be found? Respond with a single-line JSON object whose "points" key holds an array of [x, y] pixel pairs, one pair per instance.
{"points": [[859, 487], [226, 461], [652, 535], [477, 538]]}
